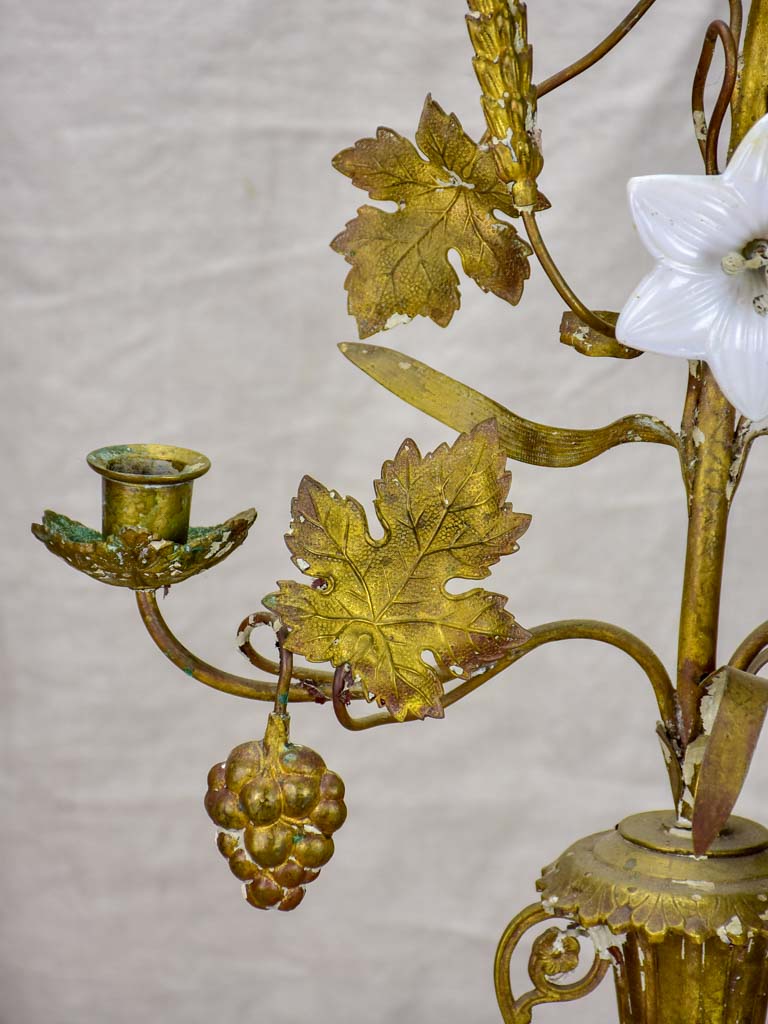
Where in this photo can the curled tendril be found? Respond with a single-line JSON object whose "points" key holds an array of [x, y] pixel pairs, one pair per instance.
{"points": [[555, 952], [311, 679], [708, 135]]}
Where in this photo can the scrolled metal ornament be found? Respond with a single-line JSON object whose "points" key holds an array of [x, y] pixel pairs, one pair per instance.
{"points": [[555, 953]]}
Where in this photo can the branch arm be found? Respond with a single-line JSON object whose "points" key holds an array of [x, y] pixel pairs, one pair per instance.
{"points": [[749, 648], [226, 682], [550, 632], [564, 290], [596, 53]]}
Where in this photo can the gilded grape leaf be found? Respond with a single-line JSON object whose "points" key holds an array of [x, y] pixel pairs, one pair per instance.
{"points": [[447, 201], [382, 603]]}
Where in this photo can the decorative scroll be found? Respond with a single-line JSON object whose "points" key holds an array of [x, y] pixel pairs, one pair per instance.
{"points": [[555, 952]]}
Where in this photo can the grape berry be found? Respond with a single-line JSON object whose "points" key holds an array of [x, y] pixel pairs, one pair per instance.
{"points": [[276, 805]]}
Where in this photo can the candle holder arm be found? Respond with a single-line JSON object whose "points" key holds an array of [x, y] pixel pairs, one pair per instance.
{"points": [[320, 683]]}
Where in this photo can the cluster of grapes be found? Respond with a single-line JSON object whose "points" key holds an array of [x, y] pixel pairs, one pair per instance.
{"points": [[277, 805]]}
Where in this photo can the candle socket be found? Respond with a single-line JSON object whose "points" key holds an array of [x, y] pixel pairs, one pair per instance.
{"points": [[147, 486]]}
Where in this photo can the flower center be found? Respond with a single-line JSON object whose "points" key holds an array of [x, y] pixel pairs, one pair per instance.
{"points": [[752, 258]]}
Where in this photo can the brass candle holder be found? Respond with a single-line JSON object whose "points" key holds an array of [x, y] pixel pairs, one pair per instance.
{"points": [[675, 903], [147, 486]]}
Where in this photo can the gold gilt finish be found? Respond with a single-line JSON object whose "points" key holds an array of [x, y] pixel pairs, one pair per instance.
{"points": [[148, 486], [676, 903], [461, 407], [686, 935], [503, 63], [134, 558], [381, 604], [277, 806], [555, 953], [399, 260]]}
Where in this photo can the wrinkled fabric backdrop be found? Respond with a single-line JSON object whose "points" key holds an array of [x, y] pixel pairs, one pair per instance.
{"points": [[167, 203]]}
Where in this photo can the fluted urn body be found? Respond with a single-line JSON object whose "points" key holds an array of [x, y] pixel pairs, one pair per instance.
{"points": [[687, 936]]}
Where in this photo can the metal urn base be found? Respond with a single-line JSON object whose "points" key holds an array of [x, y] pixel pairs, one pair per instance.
{"points": [[686, 936]]}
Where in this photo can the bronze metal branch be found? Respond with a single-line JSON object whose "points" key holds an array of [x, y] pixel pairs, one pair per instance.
{"points": [[596, 53], [550, 632], [708, 136], [560, 284], [227, 682]]}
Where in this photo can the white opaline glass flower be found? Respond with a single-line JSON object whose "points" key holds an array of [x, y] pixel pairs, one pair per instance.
{"points": [[707, 297]]}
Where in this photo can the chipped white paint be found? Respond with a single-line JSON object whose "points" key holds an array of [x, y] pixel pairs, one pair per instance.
{"points": [[456, 670], [732, 929], [506, 142], [302, 563], [710, 703], [604, 940], [700, 125], [698, 435], [455, 181], [404, 365], [694, 883], [397, 320], [549, 904]]}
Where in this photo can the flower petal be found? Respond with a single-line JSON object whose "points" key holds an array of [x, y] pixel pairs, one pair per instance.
{"points": [[749, 163], [738, 353], [688, 219], [672, 311]]}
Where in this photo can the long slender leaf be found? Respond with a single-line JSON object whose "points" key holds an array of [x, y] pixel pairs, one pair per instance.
{"points": [[462, 408]]}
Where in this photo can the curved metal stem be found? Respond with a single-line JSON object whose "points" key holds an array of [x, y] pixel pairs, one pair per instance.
{"points": [[283, 689], [598, 52], [312, 677], [550, 632], [709, 136], [546, 988], [562, 287], [237, 686], [750, 647]]}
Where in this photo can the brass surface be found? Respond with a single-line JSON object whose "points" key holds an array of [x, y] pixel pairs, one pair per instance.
{"points": [[399, 259], [309, 682], [147, 487], [277, 806], [589, 342], [380, 605], [712, 422], [503, 64], [461, 407], [740, 703], [556, 952], [687, 935], [643, 877], [133, 557]]}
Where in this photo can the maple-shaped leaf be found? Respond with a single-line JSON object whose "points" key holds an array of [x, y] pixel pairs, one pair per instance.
{"points": [[447, 201], [383, 603]]}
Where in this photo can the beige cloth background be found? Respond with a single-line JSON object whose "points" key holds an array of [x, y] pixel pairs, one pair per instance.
{"points": [[167, 205]]}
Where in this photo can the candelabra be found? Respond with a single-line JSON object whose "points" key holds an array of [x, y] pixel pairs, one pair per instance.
{"points": [[674, 903]]}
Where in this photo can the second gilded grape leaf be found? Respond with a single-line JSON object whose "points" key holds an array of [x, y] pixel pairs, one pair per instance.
{"points": [[382, 604], [400, 266]]}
